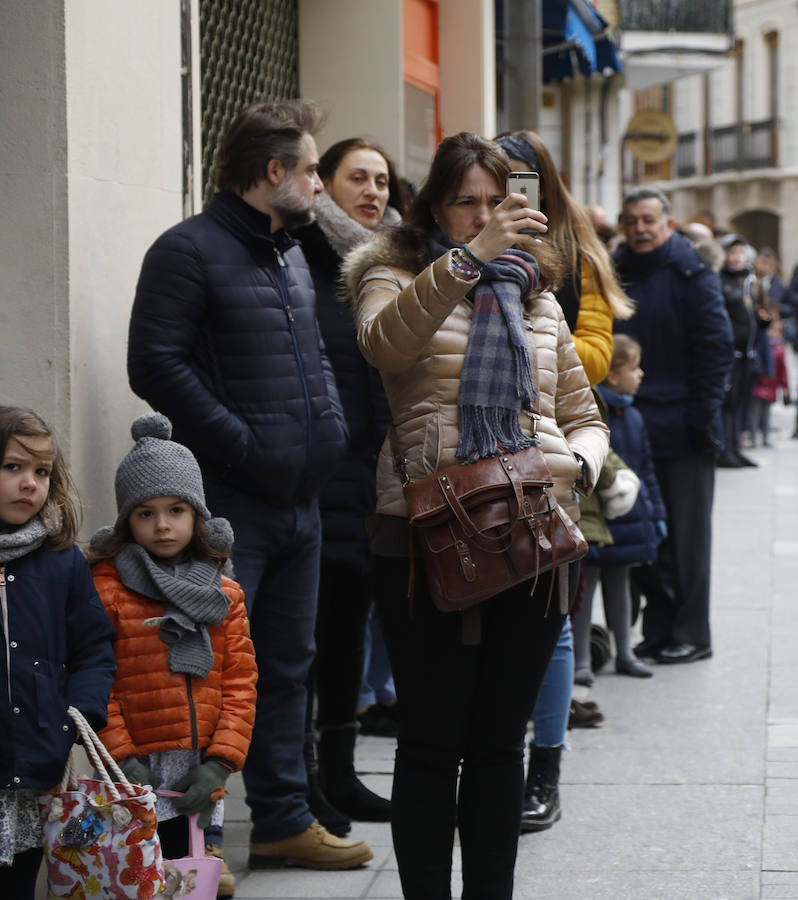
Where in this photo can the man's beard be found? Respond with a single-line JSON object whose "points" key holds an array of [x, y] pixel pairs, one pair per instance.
{"points": [[290, 205]]}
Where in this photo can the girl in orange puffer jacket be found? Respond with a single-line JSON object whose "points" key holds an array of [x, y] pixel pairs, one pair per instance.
{"points": [[183, 701]]}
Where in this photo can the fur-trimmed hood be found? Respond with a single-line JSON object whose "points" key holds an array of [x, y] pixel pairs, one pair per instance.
{"points": [[399, 248]]}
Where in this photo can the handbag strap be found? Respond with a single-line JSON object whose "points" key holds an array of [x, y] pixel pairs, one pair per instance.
{"points": [[196, 836], [491, 543], [98, 756]]}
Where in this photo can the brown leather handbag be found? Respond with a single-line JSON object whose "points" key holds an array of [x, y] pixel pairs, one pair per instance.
{"points": [[484, 527]]}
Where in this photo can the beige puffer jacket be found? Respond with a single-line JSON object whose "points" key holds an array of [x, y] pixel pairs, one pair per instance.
{"points": [[414, 330]]}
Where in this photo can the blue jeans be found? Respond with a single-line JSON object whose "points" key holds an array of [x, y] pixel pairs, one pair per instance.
{"points": [[377, 685], [276, 560], [554, 700]]}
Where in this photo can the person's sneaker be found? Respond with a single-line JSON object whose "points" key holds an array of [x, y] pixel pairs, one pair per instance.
{"points": [[315, 848], [227, 881]]}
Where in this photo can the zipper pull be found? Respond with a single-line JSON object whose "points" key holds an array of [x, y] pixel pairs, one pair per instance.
{"points": [[289, 313], [280, 260]]}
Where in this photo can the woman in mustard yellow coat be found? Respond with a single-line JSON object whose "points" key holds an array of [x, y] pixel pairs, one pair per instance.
{"points": [[590, 298]]}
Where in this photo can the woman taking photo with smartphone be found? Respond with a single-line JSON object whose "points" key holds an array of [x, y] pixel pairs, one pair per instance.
{"points": [[426, 296]]}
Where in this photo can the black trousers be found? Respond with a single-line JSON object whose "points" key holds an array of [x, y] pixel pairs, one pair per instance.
{"points": [[739, 391], [464, 711], [676, 586], [345, 594]]}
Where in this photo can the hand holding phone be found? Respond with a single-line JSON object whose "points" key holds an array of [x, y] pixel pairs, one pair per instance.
{"points": [[527, 184]]}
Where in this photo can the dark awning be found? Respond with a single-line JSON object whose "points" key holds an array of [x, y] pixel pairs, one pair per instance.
{"points": [[576, 39]]}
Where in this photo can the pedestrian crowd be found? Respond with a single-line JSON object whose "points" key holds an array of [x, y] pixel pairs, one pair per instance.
{"points": [[322, 335]]}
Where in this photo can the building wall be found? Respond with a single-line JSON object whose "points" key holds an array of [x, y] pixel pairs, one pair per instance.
{"points": [[124, 174], [743, 199], [90, 174], [34, 303], [350, 61]]}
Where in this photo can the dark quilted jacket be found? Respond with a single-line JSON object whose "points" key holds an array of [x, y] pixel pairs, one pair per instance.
{"points": [[681, 323], [224, 341], [635, 536], [350, 496], [60, 647]]}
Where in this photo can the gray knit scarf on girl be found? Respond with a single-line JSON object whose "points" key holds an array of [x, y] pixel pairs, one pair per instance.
{"points": [[22, 540], [194, 601]]}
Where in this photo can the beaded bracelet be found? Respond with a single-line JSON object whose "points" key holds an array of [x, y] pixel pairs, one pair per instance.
{"points": [[461, 266], [474, 259]]}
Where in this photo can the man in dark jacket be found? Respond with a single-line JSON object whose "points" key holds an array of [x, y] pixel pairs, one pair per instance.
{"points": [[224, 341], [749, 320], [682, 326]]}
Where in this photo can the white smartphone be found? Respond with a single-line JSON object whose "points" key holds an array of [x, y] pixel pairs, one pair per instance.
{"points": [[528, 184]]}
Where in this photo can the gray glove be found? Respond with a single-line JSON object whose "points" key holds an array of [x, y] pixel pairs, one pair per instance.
{"points": [[138, 773], [197, 786]]}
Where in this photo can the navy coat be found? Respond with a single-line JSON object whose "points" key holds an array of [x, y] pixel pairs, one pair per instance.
{"points": [[350, 496], [60, 644], [224, 341], [681, 323], [635, 535]]}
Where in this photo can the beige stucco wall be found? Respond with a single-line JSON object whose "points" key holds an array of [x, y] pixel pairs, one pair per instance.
{"points": [[467, 66], [350, 61], [90, 174], [34, 335], [124, 187]]}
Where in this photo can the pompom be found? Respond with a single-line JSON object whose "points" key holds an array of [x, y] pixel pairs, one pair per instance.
{"points": [[219, 534], [151, 425], [101, 539]]}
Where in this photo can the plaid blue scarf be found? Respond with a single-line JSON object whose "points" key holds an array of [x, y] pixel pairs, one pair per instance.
{"points": [[497, 378]]}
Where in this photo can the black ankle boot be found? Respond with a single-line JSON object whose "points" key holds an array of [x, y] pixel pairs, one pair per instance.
{"points": [[334, 821], [542, 795], [341, 785]]}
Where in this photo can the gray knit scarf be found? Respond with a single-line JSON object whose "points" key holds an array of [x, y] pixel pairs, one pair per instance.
{"points": [[22, 540], [341, 230], [194, 600]]}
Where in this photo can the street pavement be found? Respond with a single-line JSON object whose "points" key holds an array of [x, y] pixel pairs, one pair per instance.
{"points": [[689, 789]]}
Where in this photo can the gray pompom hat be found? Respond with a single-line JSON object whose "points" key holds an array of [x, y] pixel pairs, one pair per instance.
{"points": [[157, 467]]}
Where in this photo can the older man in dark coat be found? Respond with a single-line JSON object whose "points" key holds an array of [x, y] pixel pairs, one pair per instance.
{"points": [[682, 326]]}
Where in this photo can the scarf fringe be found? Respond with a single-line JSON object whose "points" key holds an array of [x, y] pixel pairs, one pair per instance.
{"points": [[488, 430]]}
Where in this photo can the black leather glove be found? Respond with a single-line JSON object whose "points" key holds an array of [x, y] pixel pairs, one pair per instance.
{"points": [[197, 786], [138, 773], [701, 439]]}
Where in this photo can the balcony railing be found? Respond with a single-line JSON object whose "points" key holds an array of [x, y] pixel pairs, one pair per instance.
{"points": [[676, 15], [685, 158], [744, 145]]}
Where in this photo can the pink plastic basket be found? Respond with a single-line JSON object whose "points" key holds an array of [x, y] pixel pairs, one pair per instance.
{"points": [[195, 876]]}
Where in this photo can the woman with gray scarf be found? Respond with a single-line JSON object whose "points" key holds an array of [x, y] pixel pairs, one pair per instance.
{"points": [[361, 197]]}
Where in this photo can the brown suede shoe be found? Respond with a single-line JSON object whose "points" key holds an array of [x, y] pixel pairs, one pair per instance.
{"points": [[315, 848], [227, 881]]}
